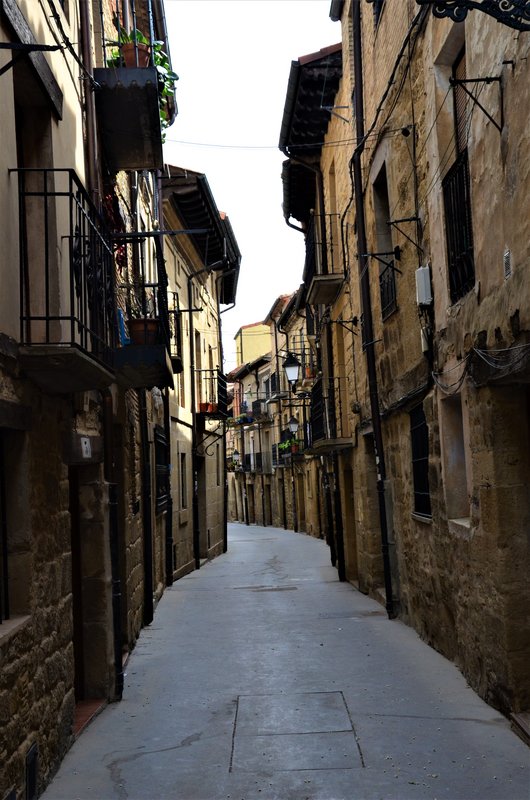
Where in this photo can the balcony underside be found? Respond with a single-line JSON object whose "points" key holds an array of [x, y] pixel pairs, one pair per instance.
{"points": [[324, 446], [129, 118], [324, 289], [142, 366], [63, 369]]}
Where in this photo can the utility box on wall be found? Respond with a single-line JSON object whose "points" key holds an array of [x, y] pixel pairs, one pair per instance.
{"points": [[79, 449], [423, 286]]}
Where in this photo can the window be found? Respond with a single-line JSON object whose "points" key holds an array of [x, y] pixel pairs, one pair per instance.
{"points": [[183, 482], [387, 275], [419, 435], [162, 469], [457, 197]]}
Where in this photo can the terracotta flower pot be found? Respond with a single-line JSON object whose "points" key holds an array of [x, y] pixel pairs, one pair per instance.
{"points": [[128, 51], [143, 331]]}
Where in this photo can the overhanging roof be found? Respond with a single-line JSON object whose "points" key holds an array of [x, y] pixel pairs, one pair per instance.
{"points": [[247, 369], [313, 83], [192, 198]]}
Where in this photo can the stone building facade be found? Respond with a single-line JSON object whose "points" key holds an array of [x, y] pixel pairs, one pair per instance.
{"points": [[416, 280], [93, 424]]}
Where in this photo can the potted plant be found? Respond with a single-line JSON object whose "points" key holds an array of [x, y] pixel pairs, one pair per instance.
{"points": [[291, 445], [131, 46]]}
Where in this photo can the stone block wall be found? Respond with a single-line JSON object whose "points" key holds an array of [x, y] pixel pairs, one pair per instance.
{"points": [[36, 679]]}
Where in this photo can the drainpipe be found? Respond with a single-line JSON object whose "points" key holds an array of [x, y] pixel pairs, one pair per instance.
{"points": [[91, 137], [364, 281]]}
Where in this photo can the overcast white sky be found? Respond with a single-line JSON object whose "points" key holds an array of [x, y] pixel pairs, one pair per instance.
{"points": [[233, 58]]}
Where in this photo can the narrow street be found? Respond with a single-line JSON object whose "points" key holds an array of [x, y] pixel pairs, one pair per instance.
{"points": [[264, 677]]}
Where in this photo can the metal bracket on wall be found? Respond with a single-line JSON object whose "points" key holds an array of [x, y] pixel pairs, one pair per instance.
{"points": [[396, 223], [489, 79], [382, 257], [23, 50]]}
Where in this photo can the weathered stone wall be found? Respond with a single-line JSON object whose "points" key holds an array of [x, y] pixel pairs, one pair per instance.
{"points": [[459, 580], [36, 679]]}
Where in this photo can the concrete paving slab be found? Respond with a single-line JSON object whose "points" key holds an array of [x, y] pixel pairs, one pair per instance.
{"points": [[295, 752], [211, 711], [307, 712]]}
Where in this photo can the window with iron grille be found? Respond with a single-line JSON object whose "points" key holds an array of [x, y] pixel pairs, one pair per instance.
{"points": [[457, 198], [419, 434], [387, 274], [162, 469]]}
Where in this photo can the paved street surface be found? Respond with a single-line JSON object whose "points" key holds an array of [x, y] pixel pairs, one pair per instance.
{"points": [[263, 677]]}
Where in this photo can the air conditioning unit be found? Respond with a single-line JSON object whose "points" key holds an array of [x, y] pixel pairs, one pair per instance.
{"points": [[423, 286]]}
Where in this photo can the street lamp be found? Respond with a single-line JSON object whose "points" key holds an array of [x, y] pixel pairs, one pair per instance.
{"points": [[236, 458], [293, 425], [292, 366]]}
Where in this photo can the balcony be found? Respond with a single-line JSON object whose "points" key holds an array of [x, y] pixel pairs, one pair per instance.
{"points": [[68, 321], [212, 394], [277, 392], [260, 411], [260, 463], [145, 323], [329, 425], [322, 258]]}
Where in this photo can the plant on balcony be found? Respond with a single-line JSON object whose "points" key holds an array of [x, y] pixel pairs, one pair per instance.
{"points": [[131, 45], [289, 446], [125, 55], [142, 321]]}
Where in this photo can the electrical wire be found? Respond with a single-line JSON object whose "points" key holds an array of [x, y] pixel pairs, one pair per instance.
{"points": [[333, 143], [67, 44]]}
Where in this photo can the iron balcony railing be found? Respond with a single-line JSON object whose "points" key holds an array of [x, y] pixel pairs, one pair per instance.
{"points": [[212, 395], [260, 410], [459, 228], [277, 389], [258, 462], [328, 404], [66, 266], [320, 259]]}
